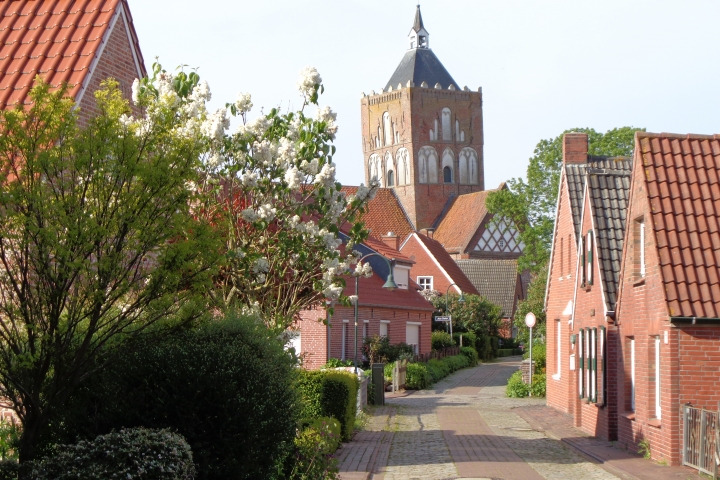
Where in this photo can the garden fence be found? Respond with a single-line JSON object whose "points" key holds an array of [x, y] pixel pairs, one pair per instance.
{"points": [[445, 352], [701, 445]]}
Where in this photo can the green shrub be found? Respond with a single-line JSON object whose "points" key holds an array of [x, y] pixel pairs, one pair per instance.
{"points": [[468, 339], [471, 355], [494, 346], [483, 347], [136, 453], [438, 369], [388, 372], [539, 385], [441, 340], [227, 387], [456, 362], [330, 393], [314, 446], [417, 376], [539, 354], [336, 362], [516, 388], [9, 469], [377, 349], [506, 352]]}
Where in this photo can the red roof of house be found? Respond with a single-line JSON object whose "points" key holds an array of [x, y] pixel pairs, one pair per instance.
{"points": [[446, 263], [681, 173], [60, 40], [385, 214], [372, 294], [462, 221], [388, 252]]}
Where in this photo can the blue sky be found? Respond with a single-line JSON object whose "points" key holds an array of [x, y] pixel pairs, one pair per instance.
{"points": [[544, 66]]}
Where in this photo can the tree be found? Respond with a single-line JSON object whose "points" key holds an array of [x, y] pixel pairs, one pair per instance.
{"points": [[97, 244], [535, 303], [476, 314], [531, 203], [270, 193]]}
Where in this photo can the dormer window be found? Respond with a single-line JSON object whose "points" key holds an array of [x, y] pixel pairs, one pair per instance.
{"points": [[423, 42]]}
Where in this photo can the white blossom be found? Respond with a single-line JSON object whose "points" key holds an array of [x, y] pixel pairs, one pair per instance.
{"points": [[243, 102], [201, 92], [311, 167], [136, 91], [267, 212], [216, 124], [353, 299], [294, 178], [286, 152], [326, 176], [249, 179], [367, 270], [261, 265], [249, 215], [326, 115], [332, 292], [331, 241], [294, 221], [309, 79]]}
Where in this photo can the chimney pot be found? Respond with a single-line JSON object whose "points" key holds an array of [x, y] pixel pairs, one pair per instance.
{"points": [[575, 148], [391, 240]]}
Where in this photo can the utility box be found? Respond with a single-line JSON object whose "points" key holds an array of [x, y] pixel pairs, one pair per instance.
{"points": [[378, 381]]}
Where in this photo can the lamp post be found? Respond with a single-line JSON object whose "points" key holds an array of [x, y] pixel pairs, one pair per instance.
{"points": [[460, 300], [389, 284]]}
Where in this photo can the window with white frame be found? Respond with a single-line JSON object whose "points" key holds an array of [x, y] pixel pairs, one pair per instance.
{"points": [[632, 374], [588, 371], [639, 247], [384, 328], [558, 336], [426, 283], [589, 257], [343, 342], [657, 378], [581, 360]]}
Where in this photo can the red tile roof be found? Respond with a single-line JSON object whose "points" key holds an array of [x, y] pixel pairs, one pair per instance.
{"points": [[60, 40], [388, 252], [466, 214], [447, 263], [681, 174], [371, 294], [385, 214]]}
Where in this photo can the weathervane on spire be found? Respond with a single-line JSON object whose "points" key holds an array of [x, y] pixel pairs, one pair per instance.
{"points": [[419, 37]]}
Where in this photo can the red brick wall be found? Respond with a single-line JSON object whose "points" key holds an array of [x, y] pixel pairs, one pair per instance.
{"points": [[561, 390], [642, 314], [425, 266], [117, 62], [413, 111], [699, 361], [313, 339]]}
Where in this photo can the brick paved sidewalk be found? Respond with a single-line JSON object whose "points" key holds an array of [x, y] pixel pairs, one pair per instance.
{"points": [[369, 449], [622, 463]]}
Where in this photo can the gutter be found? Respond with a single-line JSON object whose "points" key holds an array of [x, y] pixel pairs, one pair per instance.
{"points": [[696, 320]]}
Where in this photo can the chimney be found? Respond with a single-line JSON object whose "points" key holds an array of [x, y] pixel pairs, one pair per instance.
{"points": [[575, 148], [428, 232], [391, 240]]}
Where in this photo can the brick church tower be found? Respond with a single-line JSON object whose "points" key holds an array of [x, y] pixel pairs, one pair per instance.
{"points": [[423, 136]]}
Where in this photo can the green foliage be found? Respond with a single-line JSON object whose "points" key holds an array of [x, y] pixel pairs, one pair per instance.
{"points": [[9, 439], [506, 352], [336, 362], [9, 469], [484, 347], [535, 303], [476, 314], [327, 393], [644, 448], [137, 453], [539, 355], [471, 355], [441, 340], [468, 338], [388, 372], [226, 386], [530, 203], [315, 443], [441, 368], [516, 388], [494, 346], [417, 376], [378, 349]]}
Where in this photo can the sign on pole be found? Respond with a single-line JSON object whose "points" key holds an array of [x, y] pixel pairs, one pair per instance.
{"points": [[442, 319], [530, 322]]}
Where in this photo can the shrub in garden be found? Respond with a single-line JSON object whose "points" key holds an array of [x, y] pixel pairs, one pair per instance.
{"points": [[377, 349], [441, 340], [226, 386], [9, 469], [136, 453], [336, 363], [539, 354], [468, 338], [330, 394], [539, 385], [315, 443], [494, 346], [471, 355], [516, 388], [417, 376], [483, 347]]}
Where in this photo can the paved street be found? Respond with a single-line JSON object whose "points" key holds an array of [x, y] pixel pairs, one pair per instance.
{"points": [[465, 428]]}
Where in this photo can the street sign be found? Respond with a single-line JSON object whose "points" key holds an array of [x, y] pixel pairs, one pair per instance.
{"points": [[443, 319], [530, 319]]}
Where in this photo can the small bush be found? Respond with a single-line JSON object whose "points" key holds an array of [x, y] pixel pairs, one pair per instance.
{"points": [[438, 369], [132, 453], [539, 354], [330, 393], [417, 376], [441, 340], [506, 352], [314, 446], [9, 469], [494, 346], [471, 355], [468, 339], [516, 388], [539, 385], [377, 349], [456, 362], [483, 347], [388, 372], [336, 362]]}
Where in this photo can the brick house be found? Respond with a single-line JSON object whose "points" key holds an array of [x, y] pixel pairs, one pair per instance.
{"points": [[668, 315], [403, 315], [77, 42]]}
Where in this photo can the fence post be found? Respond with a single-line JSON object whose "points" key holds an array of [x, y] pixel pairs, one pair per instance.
{"points": [[703, 420]]}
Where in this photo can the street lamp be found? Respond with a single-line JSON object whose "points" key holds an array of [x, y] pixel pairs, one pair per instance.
{"points": [[389, 284], [460, 300]]}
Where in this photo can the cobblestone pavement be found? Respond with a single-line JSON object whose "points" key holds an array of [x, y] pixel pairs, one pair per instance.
{"points": [[463, 428]]}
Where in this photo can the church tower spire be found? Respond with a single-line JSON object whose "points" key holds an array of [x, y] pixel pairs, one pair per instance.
{"points": [[419, 37]]}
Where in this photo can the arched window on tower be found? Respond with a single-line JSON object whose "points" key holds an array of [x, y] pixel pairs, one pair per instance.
{"points": [[403, 170], [446, 125], [448, 163], [389, 170], [390, 178], [468, 159], [388, 134], [427, 165], [375, 169]]}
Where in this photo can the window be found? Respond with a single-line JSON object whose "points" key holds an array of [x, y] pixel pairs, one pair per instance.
{"points": [[593, 365], [426, 283], [412, 335], [447, 175], [583, 265], [558, 336], [562, 256], [639, 248], [632, 374], [343, 343], [642, 249], [657, 378], [446, 128], [589, 257], [390, 178], [384, 328], [581, 367]]}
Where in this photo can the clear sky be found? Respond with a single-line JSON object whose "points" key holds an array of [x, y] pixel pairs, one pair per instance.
{"points": [[544, 66]]}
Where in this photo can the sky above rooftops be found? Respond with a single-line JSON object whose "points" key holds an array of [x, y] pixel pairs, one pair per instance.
{"points": [[543, 66]]}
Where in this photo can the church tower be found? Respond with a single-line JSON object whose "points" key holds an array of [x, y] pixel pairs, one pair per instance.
{"points": [[422, 135]]}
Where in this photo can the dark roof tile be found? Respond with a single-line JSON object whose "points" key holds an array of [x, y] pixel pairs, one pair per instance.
{"points": [[495, 280]]}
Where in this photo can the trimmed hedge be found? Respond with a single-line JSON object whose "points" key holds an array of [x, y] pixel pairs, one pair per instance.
{"points": [[330, 393], [137, 453], [468, 338], [539, 354], [508, 352], [484, 348], [471, 355], [417, 376], [441, 340], [422, 375], [516, 388]]}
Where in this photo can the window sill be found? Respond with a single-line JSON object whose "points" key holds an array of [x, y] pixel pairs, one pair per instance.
{"points": [[639, 282], [654, 422], [629, 415], [556, 376]]}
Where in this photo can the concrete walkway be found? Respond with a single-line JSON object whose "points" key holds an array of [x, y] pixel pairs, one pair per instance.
{"points": [[465, 428]]}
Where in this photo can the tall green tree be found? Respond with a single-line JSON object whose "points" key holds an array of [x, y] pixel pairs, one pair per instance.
{"points": [[474, 314], [530, 203], [97, 241]]}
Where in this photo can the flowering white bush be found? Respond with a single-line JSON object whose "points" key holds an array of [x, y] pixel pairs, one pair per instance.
{"points": [[270, 192]]}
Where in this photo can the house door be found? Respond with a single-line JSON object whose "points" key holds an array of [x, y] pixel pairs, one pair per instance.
{"points": [[412, 336]]}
